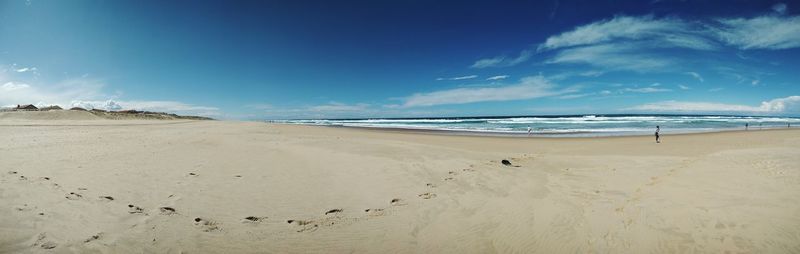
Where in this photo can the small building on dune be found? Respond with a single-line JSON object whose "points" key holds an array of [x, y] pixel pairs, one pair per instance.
{"points": [[26, 107]]}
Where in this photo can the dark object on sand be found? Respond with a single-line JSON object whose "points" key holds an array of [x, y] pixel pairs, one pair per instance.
{"points": [[254, 218], [506, 162], [333, 211]]}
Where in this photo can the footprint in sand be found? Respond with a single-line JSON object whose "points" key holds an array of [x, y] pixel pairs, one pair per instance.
{"points": [[24, 207], [132, 209], [92, 238], [253, 219], [427, 195], [43, 243], [12, 172], [431, 185], [448, 178], [106, 198], [206, 225], [23, 178], [166, 210], [374, 212], [453, 173], [73, 196], [334, 211], [397, 202], [305, 225]]}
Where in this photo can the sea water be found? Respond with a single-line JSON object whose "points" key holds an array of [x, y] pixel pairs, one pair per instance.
{"points": [[568, 125]]}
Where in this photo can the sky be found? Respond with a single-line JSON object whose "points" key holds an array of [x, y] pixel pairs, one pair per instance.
{"points": [[367, 59]]}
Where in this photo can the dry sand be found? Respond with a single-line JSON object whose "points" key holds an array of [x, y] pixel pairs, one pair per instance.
{"points": [[190, 187]]}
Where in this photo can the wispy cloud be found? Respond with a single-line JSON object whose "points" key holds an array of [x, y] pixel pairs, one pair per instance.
{"points": [[765, 32], [25, 69], [339, 107], [527, 88], [612, 57], [670, 32], [789, 104], [502, 61], [625, 42], [780, 8], [459, 78], [683, 87], [498, 77], [696, 76], [716, 89], [646, 90]]}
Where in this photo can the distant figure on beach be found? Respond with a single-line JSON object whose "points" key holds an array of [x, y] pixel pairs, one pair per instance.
{"points": [[788, 125], [746, 125], [658, 129], [529, 130]]}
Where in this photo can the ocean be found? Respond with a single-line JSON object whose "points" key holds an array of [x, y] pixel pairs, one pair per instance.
{"points": [[567, 125]]}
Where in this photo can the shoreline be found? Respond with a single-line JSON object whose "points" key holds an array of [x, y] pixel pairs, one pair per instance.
{"points": [[524, 135]]}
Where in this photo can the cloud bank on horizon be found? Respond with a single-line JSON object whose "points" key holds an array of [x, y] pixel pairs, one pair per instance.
{"points": [[643, 61]]}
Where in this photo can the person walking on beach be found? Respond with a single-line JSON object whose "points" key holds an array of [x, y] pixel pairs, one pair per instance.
{"points": [[529, 130], [658, 129], [746, 125]]}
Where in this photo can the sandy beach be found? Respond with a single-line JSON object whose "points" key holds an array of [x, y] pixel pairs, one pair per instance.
{"points": [[148, 186]]}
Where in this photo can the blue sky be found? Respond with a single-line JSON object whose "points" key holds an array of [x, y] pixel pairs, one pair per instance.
{"points": [[334, 59]]}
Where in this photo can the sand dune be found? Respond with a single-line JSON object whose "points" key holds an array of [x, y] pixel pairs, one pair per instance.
{"points": [[244, 187], [49, 115]]}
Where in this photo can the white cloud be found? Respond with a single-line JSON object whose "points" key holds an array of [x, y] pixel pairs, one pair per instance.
{"points": [[105, 105], [59, 94], [789, 104], [591, 73], [665, 32], [765, 32], [625, 42], [716, 89], [527, 88], [259, 106], [25, 69], [755, 82], [339, 107], [459, 78], [646, 90], [498, 77], [502, 61], [574, 96], [11, 86], [683, 87], [780, 8], [605, 92], [612, 57], [696, 75], [87, 93]]}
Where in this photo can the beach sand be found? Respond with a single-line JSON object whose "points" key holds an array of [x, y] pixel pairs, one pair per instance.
{"points": [[102, 186]]}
